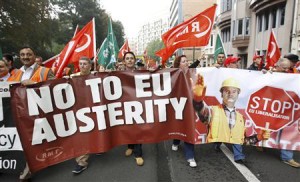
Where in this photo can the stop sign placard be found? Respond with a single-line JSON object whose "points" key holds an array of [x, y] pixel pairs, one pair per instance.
{"points": [[271, 105]]}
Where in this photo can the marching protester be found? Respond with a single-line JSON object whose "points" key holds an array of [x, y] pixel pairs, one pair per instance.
{"points": [[257, 63], [85, 66], [129, 60], [225, 123], [232, 62], [120, 65], [39, 60], [287, 65], [10, 62], [220, 60], [4, 71], [189, 149], [30, 73]]}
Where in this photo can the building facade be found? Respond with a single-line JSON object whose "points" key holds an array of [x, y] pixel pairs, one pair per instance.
{"points": [[245, 26], [182, 10], [149, 32]]}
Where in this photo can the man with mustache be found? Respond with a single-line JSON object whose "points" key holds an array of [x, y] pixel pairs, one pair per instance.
{"points": [[30, 73]]}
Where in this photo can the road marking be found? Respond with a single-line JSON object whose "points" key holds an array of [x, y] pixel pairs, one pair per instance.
{"points": [[243, 169]]}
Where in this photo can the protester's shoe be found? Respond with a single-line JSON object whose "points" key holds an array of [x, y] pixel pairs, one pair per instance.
{"points": [[192, 163], [139, 161], [128, 152], [25, 176], [174, 147], [78, 169], [292, 163], [241, 161]]}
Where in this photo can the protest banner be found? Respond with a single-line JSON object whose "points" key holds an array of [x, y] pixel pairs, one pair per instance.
{"points": [[65, 118], [11, 153], [61, 119]]}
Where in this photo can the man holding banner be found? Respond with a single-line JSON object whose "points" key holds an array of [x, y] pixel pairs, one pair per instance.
{"points": [[225, 123], [287, 65], [129, 60], [30, 73], [85, 66]]}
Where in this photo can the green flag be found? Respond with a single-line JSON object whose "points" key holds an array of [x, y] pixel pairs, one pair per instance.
{"points": [[218, 47], [1, 55], [109, 49]]}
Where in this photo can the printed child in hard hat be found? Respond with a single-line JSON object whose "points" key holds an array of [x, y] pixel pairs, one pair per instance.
{"points": [[225, 123]]}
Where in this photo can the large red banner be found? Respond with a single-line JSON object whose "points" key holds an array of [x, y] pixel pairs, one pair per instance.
{"points": [[64, 118]]}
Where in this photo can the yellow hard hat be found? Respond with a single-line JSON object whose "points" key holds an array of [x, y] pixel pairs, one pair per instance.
{"points": [[231, 82]]}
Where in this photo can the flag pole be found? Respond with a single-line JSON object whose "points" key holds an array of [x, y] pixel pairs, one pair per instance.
{"points": [[94, 60]]}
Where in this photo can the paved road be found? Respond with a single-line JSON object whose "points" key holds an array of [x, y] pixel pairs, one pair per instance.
{"points": [[162, 164]]}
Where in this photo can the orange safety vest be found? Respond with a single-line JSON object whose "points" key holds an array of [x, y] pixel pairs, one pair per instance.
{"points": [[219, 130], [12, 72], [39, 75]]}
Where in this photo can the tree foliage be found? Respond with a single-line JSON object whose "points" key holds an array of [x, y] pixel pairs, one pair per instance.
{"points": [[26, 23], [48, 25], [153, 47]]}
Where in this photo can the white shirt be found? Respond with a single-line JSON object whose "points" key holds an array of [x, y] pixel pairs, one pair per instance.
{"points": [[28, 72], [231, 116], [5, 77]]}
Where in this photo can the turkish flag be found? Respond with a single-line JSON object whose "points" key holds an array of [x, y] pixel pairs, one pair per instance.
{"points": [[124, 48], [82, 44], [49, 63], [273, 53], [191, 33]]}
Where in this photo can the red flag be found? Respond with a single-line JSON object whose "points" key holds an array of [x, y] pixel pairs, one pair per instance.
{"points": [[164, 54], [124, 48], [49, 63], [191, 33], [83, 44], [273, 53]]}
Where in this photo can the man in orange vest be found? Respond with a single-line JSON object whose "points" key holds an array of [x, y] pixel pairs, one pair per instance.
{"points": [[30, 72], [225, 123]]}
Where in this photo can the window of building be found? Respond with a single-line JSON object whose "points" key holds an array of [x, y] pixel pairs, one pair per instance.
{"points": [[266, 24], [282, 15], [226, 5], [225, 35], [247, 26], [259, 23], [233, 28], [274, 17], [211, 40], [264, 52], [240, 27]]}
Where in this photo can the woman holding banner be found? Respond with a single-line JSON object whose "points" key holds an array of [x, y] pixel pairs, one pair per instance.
{"points": [[182, 63]]}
